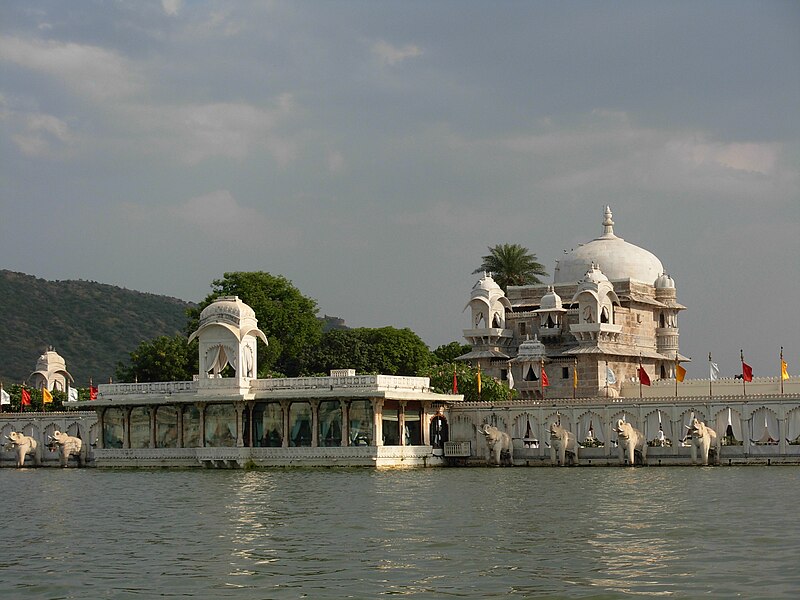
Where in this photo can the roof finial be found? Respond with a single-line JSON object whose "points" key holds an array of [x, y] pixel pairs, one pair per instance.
{"points": [[608, 222]]}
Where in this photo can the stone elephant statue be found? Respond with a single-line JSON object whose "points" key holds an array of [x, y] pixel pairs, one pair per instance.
{"points": [[703, 438], [631, 440], [499, 444], [23, 445], [68, 446], [562, 442]]}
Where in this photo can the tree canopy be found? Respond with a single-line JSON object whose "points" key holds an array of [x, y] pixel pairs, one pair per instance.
{"points": [[512, 264], [385, 350], [492, 390], [161, 359], [286, 316]]}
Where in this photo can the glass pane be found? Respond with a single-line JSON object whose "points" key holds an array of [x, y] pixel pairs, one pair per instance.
{"points": [[113, 428], [391, 427], [299, 424], [361, 420], [268, 422], [220, 425], [167, 427], [412, 430], [140, 427], [191, 427], [330, 423]]}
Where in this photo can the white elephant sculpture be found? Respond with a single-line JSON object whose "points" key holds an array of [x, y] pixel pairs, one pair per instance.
{"points": [[498, 442], [631, 440], [561, 443], [703, 438], [23, 445], [68, 446]]}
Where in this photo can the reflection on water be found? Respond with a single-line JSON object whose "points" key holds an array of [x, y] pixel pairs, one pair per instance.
{"points": [[462, 533]]}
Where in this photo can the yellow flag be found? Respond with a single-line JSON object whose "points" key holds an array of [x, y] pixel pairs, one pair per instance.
{"points": [[784, 370], [680, 373], [47, 397], [479, 380], [575, 378]]}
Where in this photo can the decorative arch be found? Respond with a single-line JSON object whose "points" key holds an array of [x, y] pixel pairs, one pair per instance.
{"points": [[591, 429], [764, 428], [728, 425]]}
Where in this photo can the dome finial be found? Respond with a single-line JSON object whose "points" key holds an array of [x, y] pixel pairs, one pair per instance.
{"points": [[608, 223]]}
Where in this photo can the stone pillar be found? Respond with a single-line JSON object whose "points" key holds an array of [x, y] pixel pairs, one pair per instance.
{"points": [[285, 435], [425, 423], [746, 432], [607, 427], [314, 422], [377, 423], [250, 407], [126, 427], [201, 409], [783, 431], [101, 421], [345, 422], [239, 408], [153, 426], [401, 421], [179, 408]]}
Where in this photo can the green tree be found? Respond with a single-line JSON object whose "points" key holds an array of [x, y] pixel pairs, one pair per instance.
{"points": [[161, 359], [385, 350], [287, 317], [448, 353], [512, 264], [492, 390]]}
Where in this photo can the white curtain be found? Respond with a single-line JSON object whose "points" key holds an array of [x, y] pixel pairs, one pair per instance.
{"points": [[729, 417], [218, 357], [651, 426], [593, 420], [764, 426], [520, 427], [794, 424]]}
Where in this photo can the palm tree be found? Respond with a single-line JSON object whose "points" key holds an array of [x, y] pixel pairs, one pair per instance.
{"points": [[512, 264]]}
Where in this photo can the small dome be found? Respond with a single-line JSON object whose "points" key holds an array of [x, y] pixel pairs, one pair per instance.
{"points": [[664, 281], [618, 258], [594, 275], [51, 361], [531, 350], [551, 300], [487, 283], [230, 306]]}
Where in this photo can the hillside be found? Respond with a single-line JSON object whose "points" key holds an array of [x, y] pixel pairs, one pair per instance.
{"points": [[92, 325]]}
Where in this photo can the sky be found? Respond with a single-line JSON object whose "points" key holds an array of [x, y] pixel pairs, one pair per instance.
{"points": [[372, 151]]}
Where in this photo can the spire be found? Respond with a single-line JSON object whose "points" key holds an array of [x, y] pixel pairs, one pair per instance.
{"points": [[608, 223]]}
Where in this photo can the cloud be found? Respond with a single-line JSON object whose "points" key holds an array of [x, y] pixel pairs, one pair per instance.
{"points": [[89, 71], [43, 135], [172, 7], [392, 55]]}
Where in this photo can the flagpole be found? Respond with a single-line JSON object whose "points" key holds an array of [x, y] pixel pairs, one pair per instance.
{"points": [[781, 373], [744, 382], [710, 378], [639, 376], [676, 373], [575, 378], [541, 377], [606, 379]]}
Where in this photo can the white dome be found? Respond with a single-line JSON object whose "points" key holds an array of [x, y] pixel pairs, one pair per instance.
{"points": [[550, 300], [230, 306], [664, 281], [531, 350], [487, 283], [617, 259]]}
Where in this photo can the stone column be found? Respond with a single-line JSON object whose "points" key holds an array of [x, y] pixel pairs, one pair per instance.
{"points": [[607, 431], [153, 426], [126, 427], [201, 409], [746, 432], [250, 407], [101, 425], [345, 422], [401, 421], [314, 422], [377, 420], [239, 408], [783, 431], [285, 435], [179, 408], [425, 423]]}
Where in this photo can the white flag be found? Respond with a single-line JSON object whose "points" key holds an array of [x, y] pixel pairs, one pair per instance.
{"points": [[714, 371], [611, 379], [73, 394], [510, 380], [5, 397]]}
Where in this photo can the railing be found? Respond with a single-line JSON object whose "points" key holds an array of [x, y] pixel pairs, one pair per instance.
{"points": [[362, 382], [156, 387]]}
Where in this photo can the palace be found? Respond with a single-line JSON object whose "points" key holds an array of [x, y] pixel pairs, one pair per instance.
{"points": [[607, 323]]}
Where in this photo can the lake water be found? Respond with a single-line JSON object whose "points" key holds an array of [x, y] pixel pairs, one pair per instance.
{"points": [[595, 533]]}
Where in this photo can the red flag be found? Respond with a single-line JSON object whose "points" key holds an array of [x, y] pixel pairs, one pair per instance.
{"points": [[644, 378], [26, 398], [455, 381], [747, 372], [545, 383], [92, 393]]}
